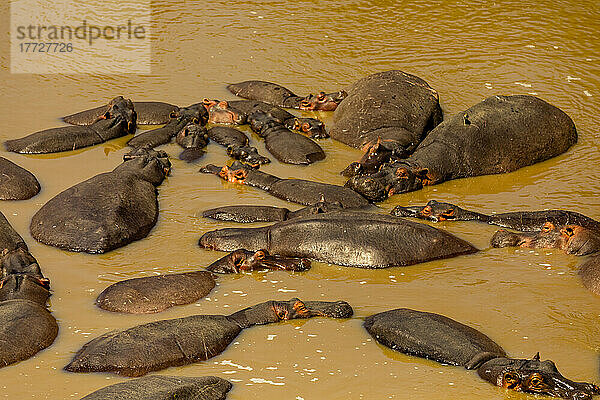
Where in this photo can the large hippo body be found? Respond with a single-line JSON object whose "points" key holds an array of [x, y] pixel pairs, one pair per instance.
{"points": [[349, 238], [9, 238], [500, 134], [16, 183], [106, 211], [252, 213], [120, 120], [148, 113], [158, 387], [393, 106], [161, 344]]}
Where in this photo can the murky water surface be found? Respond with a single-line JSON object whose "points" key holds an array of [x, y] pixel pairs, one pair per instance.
{"points": [[527, 301]]}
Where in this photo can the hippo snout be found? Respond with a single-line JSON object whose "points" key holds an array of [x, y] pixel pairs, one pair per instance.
{"points": [[504, 238]]}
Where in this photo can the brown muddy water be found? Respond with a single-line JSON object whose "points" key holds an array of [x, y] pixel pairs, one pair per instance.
{"points": [[526, 300]]}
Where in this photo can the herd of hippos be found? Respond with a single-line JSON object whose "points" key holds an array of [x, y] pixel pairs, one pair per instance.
{"points": [[394, 116]]}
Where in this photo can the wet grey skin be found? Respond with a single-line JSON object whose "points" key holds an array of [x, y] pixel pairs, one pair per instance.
{"points": [[520, 220], [375, 156], [26, 326], [391, 106], [278, 95], [310, 126], [108, 210], [159, 387], [17, 183], [193, 138], [295, 190], [444, 340], [252, 213], [161, 344], [589, 272], [179, 120], [157, 293], [286, 146], [237, 144], [347, 238], [501, 134], [243, 260], [148, 113], [119, 120]]}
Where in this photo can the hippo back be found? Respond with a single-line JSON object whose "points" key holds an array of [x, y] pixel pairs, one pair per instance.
{"points": [[432, 336], [9, 238]]}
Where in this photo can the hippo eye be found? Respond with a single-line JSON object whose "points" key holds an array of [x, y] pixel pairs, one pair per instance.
{"points": [[260, 255], [548, 226], [536, 381], [173, 114], [306, 127], [569, 232], [321, 96]]}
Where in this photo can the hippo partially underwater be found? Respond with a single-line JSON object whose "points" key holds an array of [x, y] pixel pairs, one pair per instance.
{"points": [[444, 340], [119, 119], [500, 134], [157, 293], [17, 183], [347, 238], [106, 211], [26, 326], [161, 344], [148, 113], [160, 387]]}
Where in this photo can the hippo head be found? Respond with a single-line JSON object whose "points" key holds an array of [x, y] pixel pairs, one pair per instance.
{"points": [[572, 239], [310, 126], [534, 376], [21, 277], [275, 311], [323, 101], [261, 121], [219, 112], [392, 179], [194, 114], [375, 155], [150, 165], [436, 211], [121, 110], [244, 260], [247, 154], [192, 136]]}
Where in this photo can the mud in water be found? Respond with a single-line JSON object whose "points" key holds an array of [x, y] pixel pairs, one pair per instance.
{"points": [[525, 300]]}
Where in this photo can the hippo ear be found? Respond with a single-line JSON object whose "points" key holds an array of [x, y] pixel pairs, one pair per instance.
{"points": [[402, 173], [422, 173], [536, 357], [223, 104]]}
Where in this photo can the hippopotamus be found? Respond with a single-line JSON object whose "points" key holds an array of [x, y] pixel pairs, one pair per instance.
{"points": [[148, 113], [277, 95], [179, 120], [26, 326], [119, 120], [17, 183], [156, 293], [444, 340], [220, 112], [572, 239], [374, 157], [500, 134], [108, 210], [295, 190], [520, 220], [589, 272], [393, 106], [193, 138], [159, 387], [310, 126], [237, 144], [347, 238], [285, 145], [251, 213], [157, 345]]}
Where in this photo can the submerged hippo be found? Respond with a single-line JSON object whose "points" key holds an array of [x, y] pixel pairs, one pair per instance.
{"points": [[442, 339], [26, 326], [295, 190], [310, 126], [193, 138], [179, 120], [589, 272], [220, 112], [520, 220], [148, 113], [162, 344], [393, 106], [277, 95], [500, 134], [237, 144], [159, 387], [153, 294], [286, 146], [118, 120], [106, 211], [251, 213], [348, 238], [17, 183]]}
